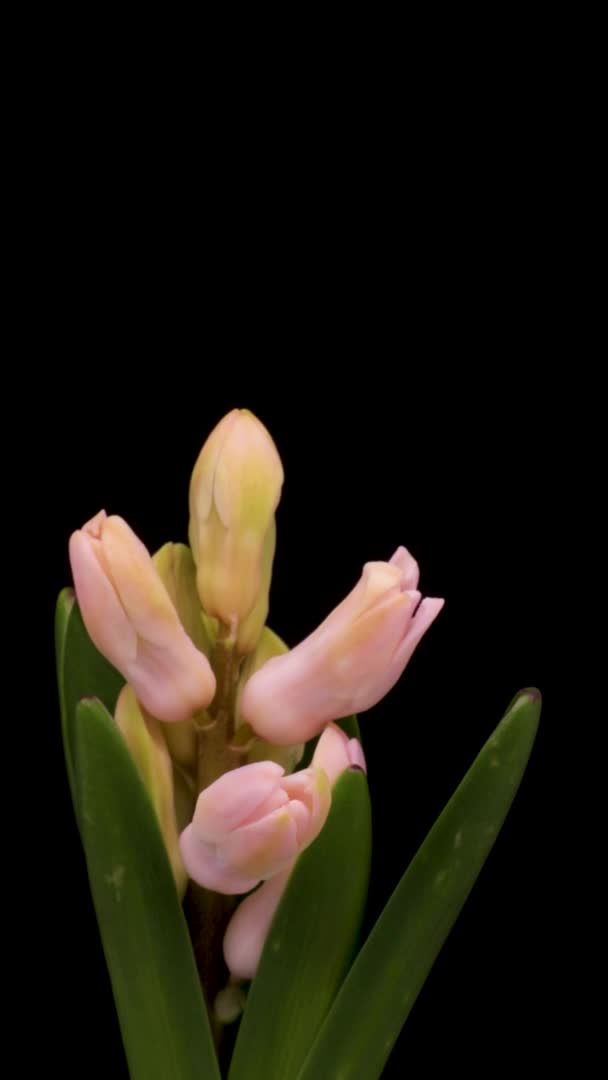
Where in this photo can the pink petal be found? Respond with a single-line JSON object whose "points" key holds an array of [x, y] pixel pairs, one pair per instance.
{"points": [[356, 755], [348, 664], [264, 847], [248, 928], [275, 801], [102, 613], [408, 566], [137, 581], [172, 682], [233, 798], [425, 615], [331, 753], [203, 866], [311, 787], [301, 816]]}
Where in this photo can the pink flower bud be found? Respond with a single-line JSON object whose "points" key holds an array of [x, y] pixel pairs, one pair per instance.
{"points": [[349, 663], [130, 618], [251, 823], [248, 928]]}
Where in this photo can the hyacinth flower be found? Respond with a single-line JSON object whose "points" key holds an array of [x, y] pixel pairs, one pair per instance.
{"points": [[251, 823], [350, 662], [220, 787]]}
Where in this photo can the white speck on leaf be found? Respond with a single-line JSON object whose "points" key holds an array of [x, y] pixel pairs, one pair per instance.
{"points": [[115, 880], [458, 839]]}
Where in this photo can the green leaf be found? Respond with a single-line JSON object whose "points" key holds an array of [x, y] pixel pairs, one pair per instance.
{"points": [[385, 979], [65, 605], [81, 672], [311, 941], [160, 1006], [350, 726]]}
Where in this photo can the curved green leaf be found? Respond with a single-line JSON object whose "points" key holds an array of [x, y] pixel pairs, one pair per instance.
{"points": [[385, 979], [81, 672], [311, 941], [159, 1001]]}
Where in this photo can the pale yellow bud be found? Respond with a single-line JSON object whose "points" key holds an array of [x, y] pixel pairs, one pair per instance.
{"points": [[145, 739], [234, 492], [249, 630]]}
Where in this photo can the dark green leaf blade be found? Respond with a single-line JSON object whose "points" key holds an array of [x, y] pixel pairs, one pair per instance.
{"points": [[63, 613], [311, 941], [81, 672], [389, 971], [159, 1001]]}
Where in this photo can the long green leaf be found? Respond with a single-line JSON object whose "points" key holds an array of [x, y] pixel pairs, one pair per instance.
{"points": [[162, 1015], [385, 979], [81, 672], [311, 941]]}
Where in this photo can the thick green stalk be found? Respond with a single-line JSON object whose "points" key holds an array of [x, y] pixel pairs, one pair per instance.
{"points": [[208, 913]]}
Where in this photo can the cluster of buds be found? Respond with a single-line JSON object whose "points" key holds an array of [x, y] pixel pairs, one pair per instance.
{"points": [[216, 709]]}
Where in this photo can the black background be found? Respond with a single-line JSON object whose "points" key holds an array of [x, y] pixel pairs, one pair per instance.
{"points": [[372, 278]]}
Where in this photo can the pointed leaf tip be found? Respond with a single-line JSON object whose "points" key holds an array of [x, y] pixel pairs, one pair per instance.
{"points": [[390, 969]]}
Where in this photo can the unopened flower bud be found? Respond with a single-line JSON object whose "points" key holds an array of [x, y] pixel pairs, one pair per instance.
{"points": [[251, 823], [234, 492], [130, 618], [349, 663]]}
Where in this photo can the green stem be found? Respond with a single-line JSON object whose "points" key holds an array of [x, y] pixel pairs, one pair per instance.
{"points": [[208, 913], [214, 756], [225, 663]]}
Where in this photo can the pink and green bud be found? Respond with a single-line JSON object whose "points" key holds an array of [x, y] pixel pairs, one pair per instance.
{"points": [[251, 823], [130, 618], [248, 928], [234, 491], [349, 663], [145, 739]]}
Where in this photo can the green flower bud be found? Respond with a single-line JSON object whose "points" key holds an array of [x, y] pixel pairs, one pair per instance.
{"points": [[175, 567]]}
